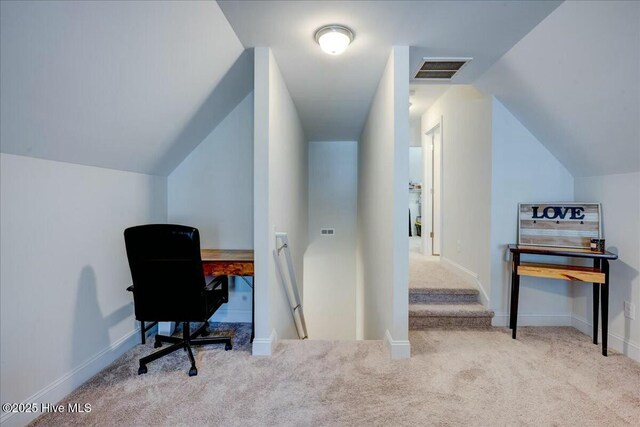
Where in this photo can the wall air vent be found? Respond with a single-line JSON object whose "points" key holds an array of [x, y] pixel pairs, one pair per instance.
{"points": [[440, 69]]}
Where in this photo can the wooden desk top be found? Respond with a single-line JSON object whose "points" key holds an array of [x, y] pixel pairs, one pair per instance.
{"points": [[227, 255], [556, 251]]}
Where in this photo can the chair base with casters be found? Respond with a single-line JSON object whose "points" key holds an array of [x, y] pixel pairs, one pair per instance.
{"points": [[188, 339]]}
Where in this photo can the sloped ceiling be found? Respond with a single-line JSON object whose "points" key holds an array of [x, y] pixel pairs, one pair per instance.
{"points": [[574, 82], [121, 85], [333, 93]]}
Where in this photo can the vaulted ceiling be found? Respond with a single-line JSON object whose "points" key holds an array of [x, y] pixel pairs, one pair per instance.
{"points": [[137, 85], [574, 82], [125, 85], [333, 93]]}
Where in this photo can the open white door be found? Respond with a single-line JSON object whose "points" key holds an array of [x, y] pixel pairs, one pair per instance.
{"points": [[427, 199], [437, 190], [432, 191]]}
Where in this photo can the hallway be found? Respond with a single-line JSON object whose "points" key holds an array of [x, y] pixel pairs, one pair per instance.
{"points": [[440, 297], [428, 272]]}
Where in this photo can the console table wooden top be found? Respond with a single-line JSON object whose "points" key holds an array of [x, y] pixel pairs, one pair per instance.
{"points": [[227, 262], [558, 251]]}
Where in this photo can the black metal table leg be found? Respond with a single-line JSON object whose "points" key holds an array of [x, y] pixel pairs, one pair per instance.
{"points": [[253, 308], [515, 290], [596, 304], [604, 290], [596, 314]]}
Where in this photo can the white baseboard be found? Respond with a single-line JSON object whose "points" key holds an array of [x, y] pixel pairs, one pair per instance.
{"points": [[60, 388], [616, 342], [265, 346], [502, 320], [484, 298], [399, 349]]}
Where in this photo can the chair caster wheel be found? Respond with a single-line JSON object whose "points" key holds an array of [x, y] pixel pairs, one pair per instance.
{"points": [[142, 370], [157, 344], [193, 371], [227, 347]]}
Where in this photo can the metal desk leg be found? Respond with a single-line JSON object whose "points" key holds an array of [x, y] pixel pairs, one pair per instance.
{"points": [[515, 290], [604, 290], [596, 303]]}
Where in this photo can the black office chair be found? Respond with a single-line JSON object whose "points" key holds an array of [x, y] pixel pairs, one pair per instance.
{"points": [[169, 286]]}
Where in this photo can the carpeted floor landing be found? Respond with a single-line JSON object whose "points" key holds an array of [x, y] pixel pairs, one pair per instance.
{"points": [[549, 376]]}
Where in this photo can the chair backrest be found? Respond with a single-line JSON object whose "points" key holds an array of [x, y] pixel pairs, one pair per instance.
{"points": [[166, 270]]}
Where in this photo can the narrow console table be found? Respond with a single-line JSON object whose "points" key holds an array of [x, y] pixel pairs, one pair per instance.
{"points": [[598, 275]]}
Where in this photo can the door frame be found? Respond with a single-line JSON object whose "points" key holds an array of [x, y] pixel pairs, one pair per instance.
{"points": [[427, 241]]}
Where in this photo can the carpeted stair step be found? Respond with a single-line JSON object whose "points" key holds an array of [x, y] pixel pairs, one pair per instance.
{"points": [[429, 316], [443, 296]]}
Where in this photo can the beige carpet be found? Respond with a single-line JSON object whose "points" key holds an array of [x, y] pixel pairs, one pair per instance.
{"points": [[549, 376], [425, 272], [415, 244]]}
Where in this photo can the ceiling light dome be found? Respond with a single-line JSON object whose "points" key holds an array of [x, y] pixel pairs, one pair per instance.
{"points": [[334, 39]]}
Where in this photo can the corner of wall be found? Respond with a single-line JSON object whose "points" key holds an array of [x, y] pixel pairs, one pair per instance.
{"points": [[265, 346], [616, 341], [474, 277], [398, 349]]}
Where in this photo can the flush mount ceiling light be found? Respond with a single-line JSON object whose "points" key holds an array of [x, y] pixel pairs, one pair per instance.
{"points": [[334, 39]]}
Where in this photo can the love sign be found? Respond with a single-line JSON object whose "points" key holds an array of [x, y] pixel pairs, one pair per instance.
{"points": [[567, 224]]}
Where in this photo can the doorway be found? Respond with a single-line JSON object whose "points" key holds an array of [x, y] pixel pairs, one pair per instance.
{"points": [[432, 152], [416, 179]]}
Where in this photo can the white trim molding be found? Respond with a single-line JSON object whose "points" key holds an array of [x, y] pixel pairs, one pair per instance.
{"points": [[616, 342], [484, 298], [265, 346], [63, 386], [398, 349]]}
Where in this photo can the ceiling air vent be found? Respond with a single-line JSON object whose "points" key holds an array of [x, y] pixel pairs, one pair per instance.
{"points": [[440, 69]]}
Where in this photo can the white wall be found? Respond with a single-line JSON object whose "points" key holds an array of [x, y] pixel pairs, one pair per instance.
{"points": [[415, 164], [330, 261], [212, 189], [383, 173], [573, 82], [523, 171], [491, 162], [620, 198], [415, 139], [133, 85], [280, 197], [466, 177], [65, 312]]}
